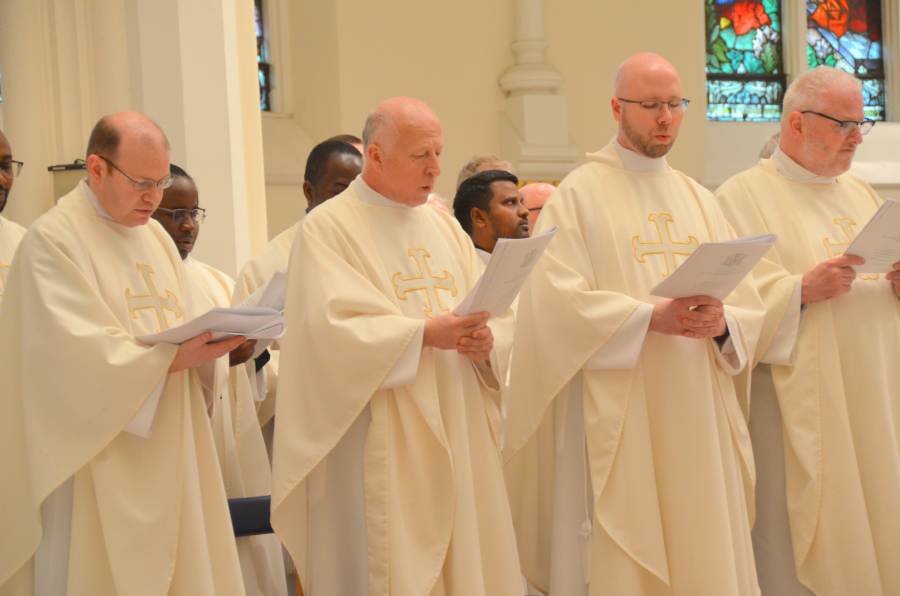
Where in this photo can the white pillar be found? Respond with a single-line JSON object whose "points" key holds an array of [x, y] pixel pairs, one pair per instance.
{"points": [[188, 64], [534, 128]]}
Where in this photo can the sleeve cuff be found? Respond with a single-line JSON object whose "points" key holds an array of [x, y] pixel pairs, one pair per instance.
{"points": [[407, 367], [731, 355], [623, 349], [143, 422], [783, 344]]}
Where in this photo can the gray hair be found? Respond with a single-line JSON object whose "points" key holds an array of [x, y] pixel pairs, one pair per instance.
{"points": [[769, 146], [378, 126], [806, 92], [479, 161]]}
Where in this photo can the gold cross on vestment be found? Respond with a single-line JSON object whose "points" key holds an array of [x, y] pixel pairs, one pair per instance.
{"points": [[152, 300], [836, 249], [430, 284], [665, 246]]}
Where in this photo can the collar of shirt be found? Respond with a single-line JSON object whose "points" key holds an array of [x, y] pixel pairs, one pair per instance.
{"points": [[635, 162], [367, 195], [188, 260], [790, 169], [95, 202], [485, 255]]}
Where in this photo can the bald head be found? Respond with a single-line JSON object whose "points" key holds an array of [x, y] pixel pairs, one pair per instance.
{"points": [[402, 141], [110, 131], [534, 196], [647, 104]]}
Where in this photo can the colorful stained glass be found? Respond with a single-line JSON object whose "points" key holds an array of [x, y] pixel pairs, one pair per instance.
{"points": [[265, 80], [744, 66], [744, 100], [846, 34]]}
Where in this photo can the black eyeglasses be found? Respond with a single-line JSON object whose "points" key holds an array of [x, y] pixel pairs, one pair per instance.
{"points": [[535, 208], [675, 105], [179, 215], [11, 167], [848, 127], [142, 185]]}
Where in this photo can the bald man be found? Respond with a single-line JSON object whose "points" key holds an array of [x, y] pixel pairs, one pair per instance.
{"points": [[627, 456], [111, 483], [10, 232], [387, 476], [481, 163], [535, 195], [825, 411]]}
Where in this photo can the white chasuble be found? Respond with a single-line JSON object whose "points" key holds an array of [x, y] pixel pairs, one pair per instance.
{"points": [[255, 274], [239, 444], [148, 515], [839, 393], [417, 464], [627, 480], [10, 235]]}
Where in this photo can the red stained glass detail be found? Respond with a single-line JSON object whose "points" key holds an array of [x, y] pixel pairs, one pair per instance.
{"points": [[749, 14]]}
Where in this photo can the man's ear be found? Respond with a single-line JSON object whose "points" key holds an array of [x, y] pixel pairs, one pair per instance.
{"points": [[375, 156], [479, 218], [96, 168], [307, 190], [797, 125]]}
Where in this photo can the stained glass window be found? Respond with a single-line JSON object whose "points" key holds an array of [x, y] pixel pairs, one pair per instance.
{"points": [[744, 68], [265, 74], [846, 34]]}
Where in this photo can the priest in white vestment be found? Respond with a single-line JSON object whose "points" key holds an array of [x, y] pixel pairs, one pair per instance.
{"points": [[111, 483], [10, 232], [387, 476], [828, 380], [489, 206], [627, 455], [330, 168], [239, 443]]}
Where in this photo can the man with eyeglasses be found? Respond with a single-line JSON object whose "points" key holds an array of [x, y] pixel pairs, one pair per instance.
{"points": [[111, 483], [535, 195], [239, 443], [826, 393], [627, 456], [10, 232]]}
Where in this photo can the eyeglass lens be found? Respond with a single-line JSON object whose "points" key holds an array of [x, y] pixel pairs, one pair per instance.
{"points": [[11, 167]]}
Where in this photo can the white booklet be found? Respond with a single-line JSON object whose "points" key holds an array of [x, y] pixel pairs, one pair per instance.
{"points": [[716, 268], [271, 294], [879, 242], [254, 323], [510, 265]]}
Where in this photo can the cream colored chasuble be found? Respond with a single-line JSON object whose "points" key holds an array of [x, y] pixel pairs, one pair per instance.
{"points": [[838, 391], [239, 444], [669, 467], [148, 515], [10, 235], [255, 274], [412, 458]]}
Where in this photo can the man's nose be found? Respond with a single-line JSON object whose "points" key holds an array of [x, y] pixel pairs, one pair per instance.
{"points": [[434, 166], [665, 114]]}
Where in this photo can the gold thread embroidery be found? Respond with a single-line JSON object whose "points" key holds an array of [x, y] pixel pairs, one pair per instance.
{"points": [[846, 225], [668, 247], [153, 299], [412, 284]]}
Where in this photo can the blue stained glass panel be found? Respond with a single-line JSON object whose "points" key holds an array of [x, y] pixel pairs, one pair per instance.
{"points": [[744, 100]]}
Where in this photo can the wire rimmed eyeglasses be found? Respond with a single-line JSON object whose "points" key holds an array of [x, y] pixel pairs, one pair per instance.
{"points": [[142, 185], [848, 126], [11, 167], [179, 215], [655, 104]]}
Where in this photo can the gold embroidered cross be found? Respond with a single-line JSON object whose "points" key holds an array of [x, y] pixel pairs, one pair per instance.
{"points": [[431, 284], [152, 300], [666, 246], [836, 249]]}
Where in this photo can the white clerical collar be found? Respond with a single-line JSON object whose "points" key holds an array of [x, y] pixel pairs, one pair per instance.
{"points": [[188, 260], [790, 169], [366, 194], [485, 255], [635, 162], [95, 202]]}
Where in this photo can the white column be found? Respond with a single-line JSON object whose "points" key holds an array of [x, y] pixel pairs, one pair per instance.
{"points": [[188, 64], [534, 128]]}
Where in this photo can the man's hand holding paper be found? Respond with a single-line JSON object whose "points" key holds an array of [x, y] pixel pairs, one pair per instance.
{"points": [[469, 335], [696, 317]]}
